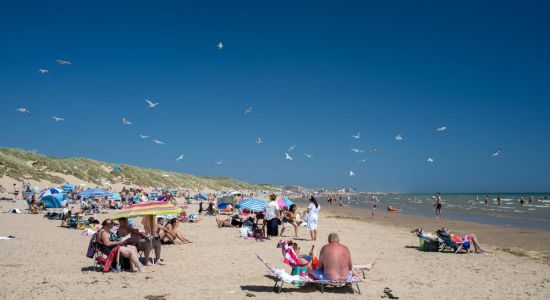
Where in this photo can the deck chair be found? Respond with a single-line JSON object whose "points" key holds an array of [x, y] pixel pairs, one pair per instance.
{"points": [[103, 261], [282, 277], [449, 243]]}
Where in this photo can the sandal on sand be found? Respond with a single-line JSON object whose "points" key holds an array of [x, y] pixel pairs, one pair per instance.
{"points": [[388, 294]]}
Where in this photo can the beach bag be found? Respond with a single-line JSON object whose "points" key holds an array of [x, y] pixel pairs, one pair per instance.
{"points": [[243, 231], [91, 247], [429, 245]]}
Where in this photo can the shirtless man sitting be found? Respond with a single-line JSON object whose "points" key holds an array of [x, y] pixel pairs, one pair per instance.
{"points": [[335, 262], [141, 242]]}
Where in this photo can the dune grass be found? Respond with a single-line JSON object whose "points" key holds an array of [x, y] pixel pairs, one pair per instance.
{"points": [[20, 164]]}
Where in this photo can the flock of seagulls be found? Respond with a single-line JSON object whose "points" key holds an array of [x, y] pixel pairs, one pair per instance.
{"points": [[151, 104]]}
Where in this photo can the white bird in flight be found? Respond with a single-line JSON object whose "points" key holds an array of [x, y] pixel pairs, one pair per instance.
{"points": [[357, 150], [357, 136], [158, 142], [362, 161], [288, 157], [497, 153], [63, 62], [58, 119], [25, 111], [220, 45], [248, 110], [441, 129], [43, 71], [143, 136], [399, 137], [373, 149], [430, 160], [219, 162], [126, 122], [259, 141], [308, 155], [179, 157], [351, 173], [291, 148], [151, 103]]}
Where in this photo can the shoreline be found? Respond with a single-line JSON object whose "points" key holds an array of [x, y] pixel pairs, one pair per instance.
{"points": [[532, 243]]}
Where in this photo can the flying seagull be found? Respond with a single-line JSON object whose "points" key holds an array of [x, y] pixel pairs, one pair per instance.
{"points": [[308, 155], [43, 71], [373, 149], [126, 122], [288, 157], [158, 142], [357, 150], [248, 110], [151, 103], [143, 136], [399, 137], [220, 45], [362, 161], [25, 111], [291, 148], [219, 162], [351, 173], [497, 153], [430, 160], [357, 136], [179, 157], [63, 62], [259, 141], [441, 129], [57, 119]]}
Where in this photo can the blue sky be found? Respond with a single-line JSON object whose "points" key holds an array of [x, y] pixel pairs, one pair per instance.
{"points": [[316, 72]]}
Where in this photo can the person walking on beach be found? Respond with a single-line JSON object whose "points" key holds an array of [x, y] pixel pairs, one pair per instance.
{"points": [[313, 217], [438, 205], [15, 191], [374, 201]]}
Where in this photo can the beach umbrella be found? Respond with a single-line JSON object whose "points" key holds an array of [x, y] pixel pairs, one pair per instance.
{"points": [[67, 187], [284, 202], [93, 192], [114, 196], [147, 209], [52, 198], [252, 204]]}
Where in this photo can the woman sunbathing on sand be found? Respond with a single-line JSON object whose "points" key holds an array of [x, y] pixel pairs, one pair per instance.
{"points": [[168, 235], [234, 221]]}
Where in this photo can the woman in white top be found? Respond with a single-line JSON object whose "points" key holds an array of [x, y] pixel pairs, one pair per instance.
{"points": [[313, 217]]}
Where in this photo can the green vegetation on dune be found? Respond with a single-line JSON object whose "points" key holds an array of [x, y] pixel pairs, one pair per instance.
{"points": [[20, 164]]}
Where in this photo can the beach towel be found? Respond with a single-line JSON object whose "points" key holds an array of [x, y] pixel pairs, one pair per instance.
{"points": [[289, 255], [110, 259], [15, 211], [6, 237]]}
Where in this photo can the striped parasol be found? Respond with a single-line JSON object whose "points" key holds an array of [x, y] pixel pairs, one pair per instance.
{"points": [[148, 208], [252, 204]]}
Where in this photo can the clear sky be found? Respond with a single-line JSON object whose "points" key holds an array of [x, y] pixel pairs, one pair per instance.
{"points": [[316, 72]]}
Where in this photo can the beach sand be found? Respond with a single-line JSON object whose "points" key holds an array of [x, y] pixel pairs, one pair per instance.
{"points": [[46, 261]]}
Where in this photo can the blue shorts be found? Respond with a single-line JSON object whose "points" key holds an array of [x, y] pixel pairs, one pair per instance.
{"points": [[320, 275]]}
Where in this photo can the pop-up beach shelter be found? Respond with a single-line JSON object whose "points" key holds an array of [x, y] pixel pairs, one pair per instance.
{"points": [[52, 198]]}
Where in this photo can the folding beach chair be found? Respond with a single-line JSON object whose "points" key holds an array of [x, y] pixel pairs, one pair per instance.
{"points": [[103, 261], [448, 242], [282, 278]]}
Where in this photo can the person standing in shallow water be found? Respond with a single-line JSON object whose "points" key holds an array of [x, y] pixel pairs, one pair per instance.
{"points": [[438, 205], [499, 202]]}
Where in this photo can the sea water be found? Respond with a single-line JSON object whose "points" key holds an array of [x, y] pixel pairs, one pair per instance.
{"points": [[464, 207]]}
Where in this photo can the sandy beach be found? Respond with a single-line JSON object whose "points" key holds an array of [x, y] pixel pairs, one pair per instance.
{"points": [[46, 261]]}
